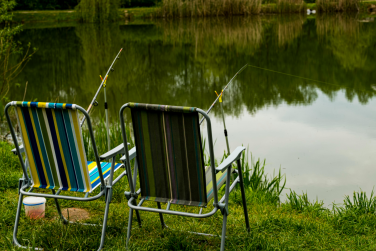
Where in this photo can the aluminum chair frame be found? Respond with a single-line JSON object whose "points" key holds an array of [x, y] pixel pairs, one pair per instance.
{"points": [[106, 189], [221, 205]]}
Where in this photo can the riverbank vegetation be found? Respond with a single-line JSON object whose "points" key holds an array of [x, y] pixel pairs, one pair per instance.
{"points": [[296, 223], [10, 48], [106, 10], [337, 5]]}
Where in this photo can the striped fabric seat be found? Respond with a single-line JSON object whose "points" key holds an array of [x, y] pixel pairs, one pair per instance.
{"points": [[169, 154], [52, 137], [221, 179], [94, 174]]}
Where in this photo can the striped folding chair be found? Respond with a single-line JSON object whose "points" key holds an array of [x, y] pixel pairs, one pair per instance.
{"points": [[171, 164], [55, 156]]}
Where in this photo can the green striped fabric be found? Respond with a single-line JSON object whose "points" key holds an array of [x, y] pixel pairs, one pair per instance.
{"points": [[169, 155], [220, 177], [164, 108]]}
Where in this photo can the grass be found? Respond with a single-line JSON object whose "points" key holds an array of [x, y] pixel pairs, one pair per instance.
{"points": [[201, 8], [337, 5], [296, 224]]}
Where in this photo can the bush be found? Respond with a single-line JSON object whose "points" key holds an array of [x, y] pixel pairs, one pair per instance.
{"points": [[46, 4]]}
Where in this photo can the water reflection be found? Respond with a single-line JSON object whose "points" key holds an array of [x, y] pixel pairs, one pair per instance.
{"points": [[183, 62]]}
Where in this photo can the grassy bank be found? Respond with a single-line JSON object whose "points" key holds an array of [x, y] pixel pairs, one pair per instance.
{"points": [[139, 14], [296, 224]]}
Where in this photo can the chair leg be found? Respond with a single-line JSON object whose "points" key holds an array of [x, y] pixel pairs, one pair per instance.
{"points": [[223, 239], [138, 217], [17, 221], [108, 199], [161, 215], [129, 225], [65, 221], [243, 195]]}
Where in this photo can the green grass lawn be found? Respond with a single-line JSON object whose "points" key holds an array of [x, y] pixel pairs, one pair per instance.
{"points": [[296, 224]]}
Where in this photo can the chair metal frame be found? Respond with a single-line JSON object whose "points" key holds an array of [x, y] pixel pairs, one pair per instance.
{"points": [[221, 204], [26, 181]]}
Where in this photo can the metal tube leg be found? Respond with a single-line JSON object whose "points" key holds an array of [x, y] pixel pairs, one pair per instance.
{"points": [[17, 221], [105, 218], [243, 195], [161, 215], [138, 217], [59, 209], [129, 225], [135, 182], [224, 231]]}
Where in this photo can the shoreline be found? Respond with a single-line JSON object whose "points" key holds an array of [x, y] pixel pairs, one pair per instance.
{"points": [[140, 14]]}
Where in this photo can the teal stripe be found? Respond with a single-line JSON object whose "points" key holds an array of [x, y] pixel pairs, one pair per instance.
{"points": [[147, 192], [74, 151], [197, 161], [66, 151], [42, 147]]}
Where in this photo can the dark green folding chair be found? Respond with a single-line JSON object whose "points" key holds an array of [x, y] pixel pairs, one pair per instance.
{"points": [[171, 164]]}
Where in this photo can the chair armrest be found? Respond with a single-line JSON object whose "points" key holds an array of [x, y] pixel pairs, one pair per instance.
{"points": [[235, 155], [22, 149], [132, 154], [113, 152]]}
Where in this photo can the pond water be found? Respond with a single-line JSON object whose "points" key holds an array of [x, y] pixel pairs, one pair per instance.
{"points": [[322, 134]]}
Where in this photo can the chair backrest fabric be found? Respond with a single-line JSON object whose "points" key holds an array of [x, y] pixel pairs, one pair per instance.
{"points": [[169, 154], [53, 143]]}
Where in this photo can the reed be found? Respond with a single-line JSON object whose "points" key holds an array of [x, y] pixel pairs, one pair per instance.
{"points": [[359, 205], [301, 203], [338, 24], [98, 11], [204, 8], [256, 180], [291, 6], [289, 28], [337, 5], [100, 135], [242, 34]]}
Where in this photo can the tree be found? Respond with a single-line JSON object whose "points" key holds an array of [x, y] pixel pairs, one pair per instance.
{"points": [[98, 11], [13, 57]]}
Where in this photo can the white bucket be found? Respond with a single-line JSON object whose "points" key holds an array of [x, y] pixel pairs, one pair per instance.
{"points": [[34, 207]]}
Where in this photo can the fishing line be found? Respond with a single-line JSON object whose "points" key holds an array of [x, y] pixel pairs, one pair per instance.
{"points": [[291, 75]]}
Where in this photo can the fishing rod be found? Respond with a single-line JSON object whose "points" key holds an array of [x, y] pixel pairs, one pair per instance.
{"points": [[223, 118], [94, 101], [224, 89]]}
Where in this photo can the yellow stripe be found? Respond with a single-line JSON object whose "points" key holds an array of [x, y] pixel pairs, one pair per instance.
{"points": [[30, 157], [210, 185], [108, 170], [81, 150], [40, 152], [92, 165], [61, 149]]}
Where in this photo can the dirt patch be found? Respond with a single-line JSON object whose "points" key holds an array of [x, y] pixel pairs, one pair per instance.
{"points": [[75, 214]]}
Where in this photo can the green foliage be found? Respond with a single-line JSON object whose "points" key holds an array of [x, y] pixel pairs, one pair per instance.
{"points": [[337, 5], [45, 4], [10, 170], [291, 6], [138, 3], [10, 49], [301, 203], [359, 205], [256, 180], [98, 11], [197, 8], [100, 135]]}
